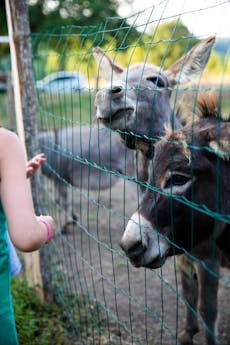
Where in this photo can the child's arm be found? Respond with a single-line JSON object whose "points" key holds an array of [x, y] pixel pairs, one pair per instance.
{"points": [[26, 230]]}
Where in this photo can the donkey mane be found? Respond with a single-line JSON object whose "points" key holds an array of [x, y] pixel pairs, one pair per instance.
{"points": [[208, 108], [209, 105]]}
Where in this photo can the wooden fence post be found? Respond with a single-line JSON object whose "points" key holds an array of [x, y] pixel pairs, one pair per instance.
{"points": [[26, 117]]}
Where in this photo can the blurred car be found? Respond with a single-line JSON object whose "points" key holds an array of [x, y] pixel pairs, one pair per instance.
{"points": [[62, 81]]}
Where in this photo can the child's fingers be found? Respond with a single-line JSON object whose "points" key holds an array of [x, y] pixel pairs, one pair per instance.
{"points": [[29, 172], [36, 160], [33, 165], [40, 158]]}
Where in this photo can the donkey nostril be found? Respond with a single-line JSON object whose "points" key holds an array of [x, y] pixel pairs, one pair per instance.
{"points": [[136, 250], [116, 89]]}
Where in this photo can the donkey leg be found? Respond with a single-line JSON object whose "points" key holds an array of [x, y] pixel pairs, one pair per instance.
{"points": [[66, 205], [190, 293], [208, 299]]}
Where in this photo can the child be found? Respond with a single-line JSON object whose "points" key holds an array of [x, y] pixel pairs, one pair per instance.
{"points": [[27, 231]]}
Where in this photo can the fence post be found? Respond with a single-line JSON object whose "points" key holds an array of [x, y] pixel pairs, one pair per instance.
{"points": [[26, 116]]}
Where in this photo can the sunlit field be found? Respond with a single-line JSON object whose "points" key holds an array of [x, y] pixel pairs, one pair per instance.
{"points": [[64, 110]]}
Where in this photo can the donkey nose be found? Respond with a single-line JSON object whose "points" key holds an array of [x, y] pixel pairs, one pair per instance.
{"points": [[135, 250], [116, 89]]}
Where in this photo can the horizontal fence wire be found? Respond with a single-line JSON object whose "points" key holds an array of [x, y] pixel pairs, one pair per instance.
{"points": [[91, 182]]}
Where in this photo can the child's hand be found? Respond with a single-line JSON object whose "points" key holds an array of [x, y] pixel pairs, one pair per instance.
{"points": [[33, 165]]}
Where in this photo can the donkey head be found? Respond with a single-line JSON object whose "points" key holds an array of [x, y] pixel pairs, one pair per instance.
{"points": [[191, 169], [136, 100]]}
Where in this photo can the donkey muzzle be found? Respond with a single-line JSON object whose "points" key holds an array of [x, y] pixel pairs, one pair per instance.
{"points": [[143, 245]]}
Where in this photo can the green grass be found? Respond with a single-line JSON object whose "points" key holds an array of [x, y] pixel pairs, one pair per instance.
{"points": [[75, 321], [54, 110], [6, 120], [3, 109], [226, 104], [38, 323], [58, 110]]}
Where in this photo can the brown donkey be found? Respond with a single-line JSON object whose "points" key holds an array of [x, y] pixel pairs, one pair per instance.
{"points": [[186, 210]]}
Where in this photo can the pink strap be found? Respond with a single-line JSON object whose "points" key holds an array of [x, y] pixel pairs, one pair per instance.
{"points": [[49, 229]]}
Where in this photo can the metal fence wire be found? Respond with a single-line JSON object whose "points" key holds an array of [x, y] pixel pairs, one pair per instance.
{"points": [[100, 129]]}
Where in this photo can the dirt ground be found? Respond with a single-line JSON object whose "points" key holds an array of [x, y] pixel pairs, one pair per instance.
{"points": [[140, 306]]}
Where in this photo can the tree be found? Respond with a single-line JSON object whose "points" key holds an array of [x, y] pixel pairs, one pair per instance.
{"points": [[70, 12], [98, 18], [4, 48], [170, 40], [101, 14]]}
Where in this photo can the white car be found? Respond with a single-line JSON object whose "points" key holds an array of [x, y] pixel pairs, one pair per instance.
{"points": [[63, 81]]}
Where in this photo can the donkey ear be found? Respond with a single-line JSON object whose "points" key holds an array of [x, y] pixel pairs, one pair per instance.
{"points": [[107, 68], [219, 140], [191, 65]]}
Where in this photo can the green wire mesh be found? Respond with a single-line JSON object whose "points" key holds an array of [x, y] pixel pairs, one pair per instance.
{"points": [[104, 299]]}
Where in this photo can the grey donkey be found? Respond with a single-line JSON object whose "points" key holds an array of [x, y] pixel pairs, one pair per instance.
{"points": [[86, 157], [136, 101]]}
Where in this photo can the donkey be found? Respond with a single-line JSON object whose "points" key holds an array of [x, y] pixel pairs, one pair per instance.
{"points": [[191, 168], [86, 157], [136, 101]]}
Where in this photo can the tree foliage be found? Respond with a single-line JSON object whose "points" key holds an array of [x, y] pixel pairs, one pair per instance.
{"points": [[69, 12], [64, 32], [165, 44], [4, 48], [170, 40], [101, 14]]}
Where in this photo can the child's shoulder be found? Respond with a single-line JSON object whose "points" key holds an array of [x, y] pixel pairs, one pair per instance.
{"points": [[9, 142], [6, 134]]}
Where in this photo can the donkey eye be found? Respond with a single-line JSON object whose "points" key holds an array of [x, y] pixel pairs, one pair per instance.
{"points": [[157, 81], [176, 180]]}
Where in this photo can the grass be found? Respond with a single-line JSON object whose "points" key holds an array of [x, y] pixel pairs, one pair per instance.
{"points": [[38, 323], [76, 320], [7, 118], [54, 110], [226, 104], [58, 110]]}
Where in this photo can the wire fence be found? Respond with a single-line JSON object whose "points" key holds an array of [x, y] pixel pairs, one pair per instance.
{"points": [[91, 183]]}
